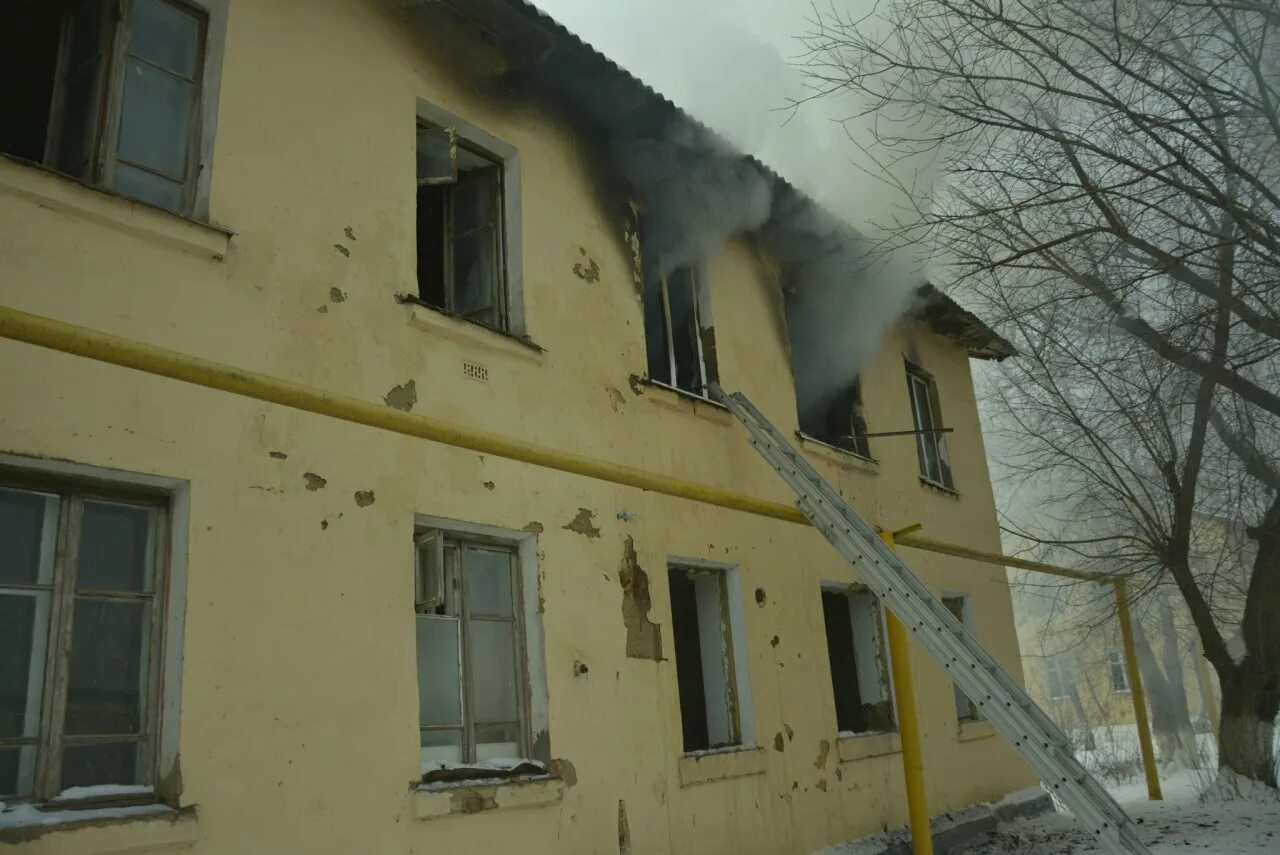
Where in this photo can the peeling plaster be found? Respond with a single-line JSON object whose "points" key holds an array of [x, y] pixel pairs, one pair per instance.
{"points": [[314, 481], [624, 830], [587, 270], [615, 398], [636, 382], [337, 295], [473, 800], [824, 749], [278, 455], [581, 524], [631, 237], [364, 498], [773, 642], [489, 485], [349, 233], [346, 253], [402, 397], [790, 733], [761, 597], [566, 771], [644, 637], [821, 785], [778, 743], [533, 527]]}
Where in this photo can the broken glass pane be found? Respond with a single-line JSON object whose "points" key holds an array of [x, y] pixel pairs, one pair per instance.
{"points": [[437, 156]]}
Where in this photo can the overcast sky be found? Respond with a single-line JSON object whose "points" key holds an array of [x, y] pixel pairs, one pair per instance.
{"points": [[730, 63]]}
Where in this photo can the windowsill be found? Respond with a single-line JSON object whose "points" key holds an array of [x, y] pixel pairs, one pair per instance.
{"points": [[842, 457], [445, 798], [145, 826], [852, 747], [971, 731], [676, 398], [446, 324], [1122, 691], [722, 764], [940, 488], [69, 195]]}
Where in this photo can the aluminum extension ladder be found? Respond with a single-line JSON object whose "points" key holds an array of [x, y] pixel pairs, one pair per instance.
{"points": [[1002, 702]]}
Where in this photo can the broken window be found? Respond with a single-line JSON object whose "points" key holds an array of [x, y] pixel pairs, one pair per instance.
{"points": [[859, 655], [82, 577], [707, 670], [931, 443], [110, 93], [836, 418], [471, 688], [1057, 675], [1119, 672], [460, 231], [678, 335], [959, 605]]}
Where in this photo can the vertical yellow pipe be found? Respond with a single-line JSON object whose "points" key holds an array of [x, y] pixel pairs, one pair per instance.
{"points": [[1136, 692], [904, 692], [1207, 696]]}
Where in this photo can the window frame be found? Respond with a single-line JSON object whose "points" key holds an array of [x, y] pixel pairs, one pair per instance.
{"points": [[509, 258], [1116, 659], [74, 484], [708, 368], [967, 710], [1057, 669], [926, 419], [211, 18], [530, 666], [882, 655], [739, 703]]}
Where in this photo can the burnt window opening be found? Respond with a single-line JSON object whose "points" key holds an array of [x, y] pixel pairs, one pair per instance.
{"points": [[678, 336], [461, 264], [836, 419], [961, 608], [110, 93], [859, 656], [706, 672], [931, 443]]}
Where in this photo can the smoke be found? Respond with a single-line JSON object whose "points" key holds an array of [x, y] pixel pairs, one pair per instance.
{"points": [[726, 65]]}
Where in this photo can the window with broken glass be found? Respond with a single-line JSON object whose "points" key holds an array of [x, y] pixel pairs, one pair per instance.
{"points": [[82, 578], [931, 443], [1119, 672], [959, 606], [836, 418], [110, 94], [678, 336], [460, 234], [705, 668], [858, 652], [471, 687]]}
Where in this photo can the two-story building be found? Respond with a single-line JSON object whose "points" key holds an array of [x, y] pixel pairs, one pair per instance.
{"points": [[234, 625]]}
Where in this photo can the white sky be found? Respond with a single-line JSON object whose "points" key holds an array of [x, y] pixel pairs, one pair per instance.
{"points": [[730, 63]]}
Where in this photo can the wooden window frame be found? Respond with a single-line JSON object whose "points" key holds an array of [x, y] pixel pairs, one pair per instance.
{"points": [[701, 307], [1057, 670], [965, 617], [104, 147], [926, 418], [1116, 664], [445, 539], [50, 740], [882, 656]]}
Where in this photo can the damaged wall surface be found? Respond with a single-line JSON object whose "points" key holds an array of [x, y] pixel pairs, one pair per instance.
{"points": [[299, 708]]}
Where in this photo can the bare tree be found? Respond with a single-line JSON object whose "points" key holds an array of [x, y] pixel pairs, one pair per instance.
{"points": [[1111, 187]]}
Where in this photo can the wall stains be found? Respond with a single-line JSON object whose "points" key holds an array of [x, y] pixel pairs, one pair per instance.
{"points": [[839, 774], [790, 733], [824, 748], [778, 743], [314, 481], [533, 527], [631, 237], [581, 524], [821, 785], [615, 398], [587, 270], [761, 597], [324, 524], [402, 397], [644, 637], [342, 250], [364, 498], [349, 233], [489, 485], [565, 770], [636, 382], [278, 455], [624, 830], [473, 800], [337, 295], [773, 642]]}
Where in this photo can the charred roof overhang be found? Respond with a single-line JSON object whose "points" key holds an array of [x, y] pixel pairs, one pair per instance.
{"points": [[949, 319]]}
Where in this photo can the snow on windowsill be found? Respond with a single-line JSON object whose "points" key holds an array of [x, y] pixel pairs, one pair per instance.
{"points": [[496, 770], [103, 791], [25, 815]]}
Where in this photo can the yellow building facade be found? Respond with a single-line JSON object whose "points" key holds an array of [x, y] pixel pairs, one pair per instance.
{"points": [[286, 581]]}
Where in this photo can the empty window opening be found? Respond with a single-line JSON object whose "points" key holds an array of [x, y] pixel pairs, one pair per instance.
{"points": [[859, 656], [471, 684], [1119, 672], [705, 668], [931, 444], [1057, 675], [836, 418], [110, 93], [678, 333], [961, 608], [82, 580], [460, 233]]}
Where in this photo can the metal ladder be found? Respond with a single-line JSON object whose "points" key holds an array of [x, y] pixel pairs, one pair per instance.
{"points": [[1002, 701]]}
